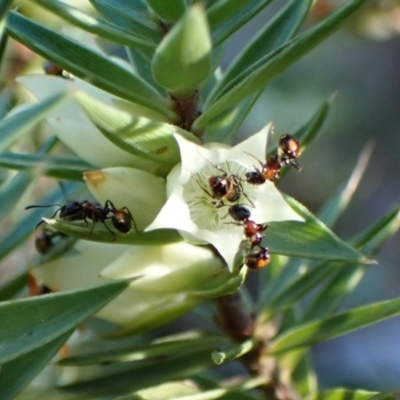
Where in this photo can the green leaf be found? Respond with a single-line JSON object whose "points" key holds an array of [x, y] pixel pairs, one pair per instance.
{"points": [[134, 353], [345, 394], [139, 136], [339, 202], [35, 321], [13, 287], [4, 8], [347, 277], [69, 168], [17, 125], [305, 335], [100, 233], [169, 11], [310, 239], [262, 72], [24, 227], [271, 36], [143, 375], [17, 373], [226, 17], [132, 15], [95, 25], [183, 59], [85, 63]]}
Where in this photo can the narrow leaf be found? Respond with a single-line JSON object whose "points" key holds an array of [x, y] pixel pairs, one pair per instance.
{"points": [[4, 8], [339, 202], [36, 321], [226, 17], [271, 36], [69, 168], [17, 125], [84, 63], [100, 234], [331, 295], [17, 373], [132, 15], [135, 353], [262, 72], [308, 334], [95, 25]]}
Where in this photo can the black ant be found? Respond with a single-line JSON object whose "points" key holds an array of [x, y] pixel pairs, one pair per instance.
{"points": [[74, 211], [288, 151], [258, 260]]}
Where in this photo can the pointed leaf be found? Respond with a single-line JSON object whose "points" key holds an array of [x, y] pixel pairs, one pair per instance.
{"points": [[69, 168], [85, 63], [331, 295], [17, 373], [271, 36], [183, 59], [4, 8], [305, 335], [311, 239], [262, 72], [35, 321], [226, 17], [17, 125], [95, 25], [339, 202], [132, 15]]}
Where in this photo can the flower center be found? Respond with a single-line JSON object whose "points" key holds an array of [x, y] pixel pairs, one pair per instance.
{"points": [[211, 192]]}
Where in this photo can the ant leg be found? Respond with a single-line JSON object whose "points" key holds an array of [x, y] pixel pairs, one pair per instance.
{"points": [[114, 236], [109, 206]]}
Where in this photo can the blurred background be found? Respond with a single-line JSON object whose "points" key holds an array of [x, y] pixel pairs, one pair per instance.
{"points": [[360, 64]]}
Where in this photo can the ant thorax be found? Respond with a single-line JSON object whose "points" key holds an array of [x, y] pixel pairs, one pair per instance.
{"points": [[209, 206]]}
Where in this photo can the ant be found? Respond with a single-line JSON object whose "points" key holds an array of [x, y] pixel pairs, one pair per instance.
{"points": [[269, 171], [252, 230], [74, 211], [258, 260], [288, 151], [224, 187]]}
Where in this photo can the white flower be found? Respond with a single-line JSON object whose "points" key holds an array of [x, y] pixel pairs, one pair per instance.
{"points": [[190, 207]]}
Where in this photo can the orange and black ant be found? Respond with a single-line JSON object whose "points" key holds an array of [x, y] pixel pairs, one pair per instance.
{"points": [[227, 186], [53, 69], [252, 230], [75, 211], [269, 171], [289, 151], [258, 260]]}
